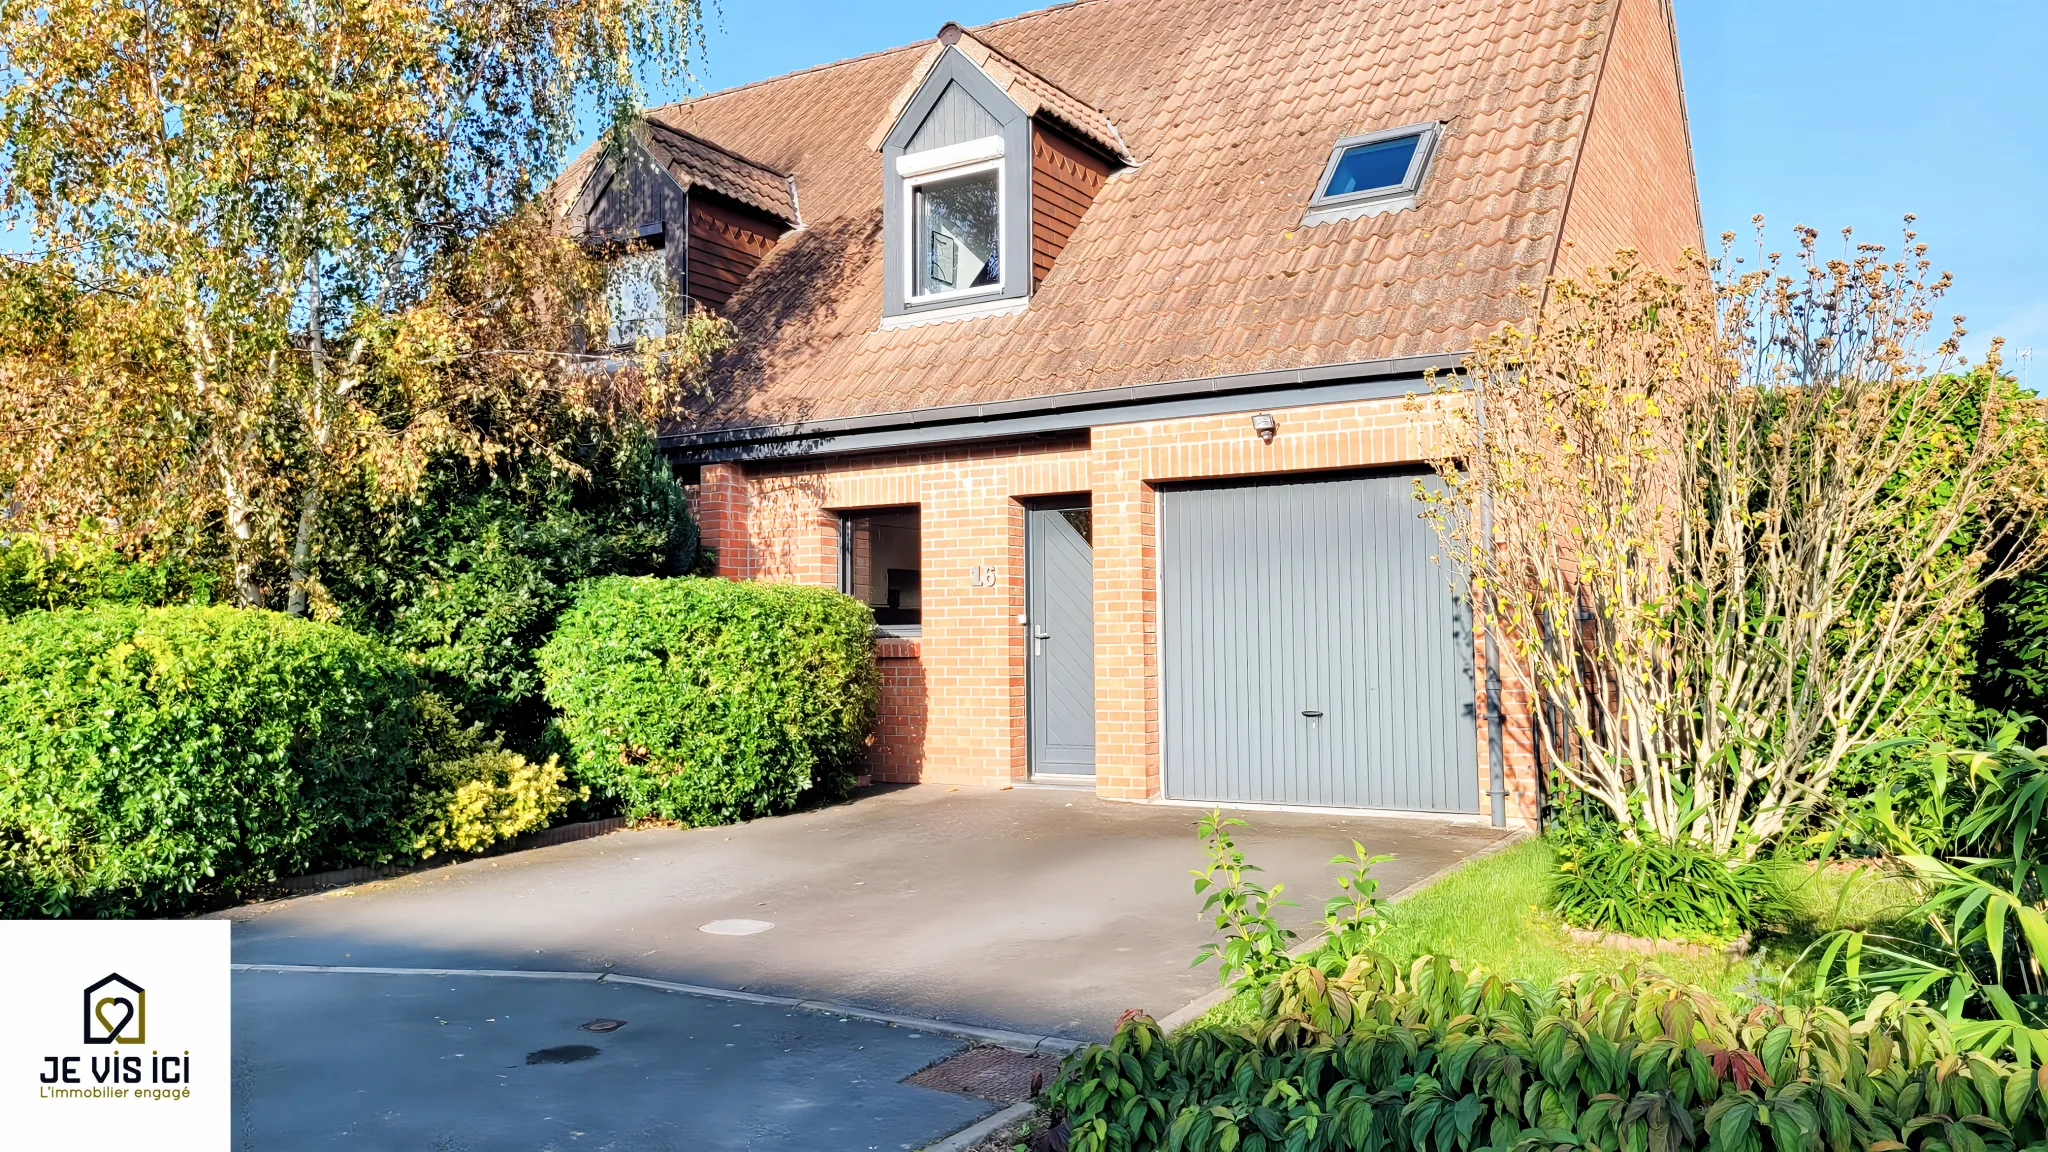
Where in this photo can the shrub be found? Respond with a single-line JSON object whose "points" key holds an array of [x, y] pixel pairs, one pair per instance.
{"points": [[1652, 888], [1440, 1059], [474, 792], [470, 578], [708, 700], [1661, 890], [152, 760], [33, 577]]}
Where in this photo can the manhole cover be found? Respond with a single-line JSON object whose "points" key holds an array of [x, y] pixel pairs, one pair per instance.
{"points": [[566, 1054], [735, 927], [988, 1072], [601, 1026]]}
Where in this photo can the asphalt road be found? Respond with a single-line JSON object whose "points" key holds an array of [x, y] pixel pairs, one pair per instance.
{"points": [[477, 1064]]}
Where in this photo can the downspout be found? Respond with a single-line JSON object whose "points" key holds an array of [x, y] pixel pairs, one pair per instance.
{"points": [[1496, 759]]}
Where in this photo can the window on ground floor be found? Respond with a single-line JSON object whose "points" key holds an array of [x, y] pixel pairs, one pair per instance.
{"points": [[879, 565]]}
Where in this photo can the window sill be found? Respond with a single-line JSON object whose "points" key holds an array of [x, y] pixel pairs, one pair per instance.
{"points": [[969, 311], [898, 631], [1352, 210]]}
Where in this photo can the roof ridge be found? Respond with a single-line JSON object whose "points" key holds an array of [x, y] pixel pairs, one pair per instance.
{"points": [[918, 45]]}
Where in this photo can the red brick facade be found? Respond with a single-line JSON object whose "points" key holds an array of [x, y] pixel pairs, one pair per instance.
{"points": [[953, 701]]}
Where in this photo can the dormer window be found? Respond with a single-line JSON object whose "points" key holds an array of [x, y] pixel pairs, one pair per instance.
{"points": [[956, 215], [637, 296], [1373, 173], [987, 170]]}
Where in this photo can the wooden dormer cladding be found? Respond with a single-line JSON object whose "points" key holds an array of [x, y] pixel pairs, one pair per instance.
{"points": [[1065, 177], [714, 214], [726, 244]]}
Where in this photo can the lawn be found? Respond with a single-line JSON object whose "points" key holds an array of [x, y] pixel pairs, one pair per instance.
{"points": [[1490, 914]]}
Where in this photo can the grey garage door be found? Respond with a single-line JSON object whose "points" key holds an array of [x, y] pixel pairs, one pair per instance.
{"points": [[1311, 649]]}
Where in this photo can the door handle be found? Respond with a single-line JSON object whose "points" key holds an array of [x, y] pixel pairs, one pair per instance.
{"points": [[1312, 713], [1038, 639]]}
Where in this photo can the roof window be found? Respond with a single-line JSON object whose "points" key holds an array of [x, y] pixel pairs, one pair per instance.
{"points": [[1372, 173]]}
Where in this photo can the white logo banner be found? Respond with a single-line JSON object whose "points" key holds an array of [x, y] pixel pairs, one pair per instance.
{"points": [[115, 1034]]}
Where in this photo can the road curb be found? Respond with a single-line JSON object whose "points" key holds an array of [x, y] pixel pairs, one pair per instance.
{"points": [[1194, 1009], [966, 1137], [1001, 1037]]}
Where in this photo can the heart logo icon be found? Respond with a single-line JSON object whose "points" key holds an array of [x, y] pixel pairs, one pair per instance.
{"points": [[99, 1011]]}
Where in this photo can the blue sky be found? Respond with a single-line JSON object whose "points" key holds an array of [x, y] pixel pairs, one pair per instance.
{"points": [[1831, 113]]}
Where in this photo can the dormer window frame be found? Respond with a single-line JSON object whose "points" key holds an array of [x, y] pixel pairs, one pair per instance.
{"points": [[904, 170], [1327, 209], [918, 170]]}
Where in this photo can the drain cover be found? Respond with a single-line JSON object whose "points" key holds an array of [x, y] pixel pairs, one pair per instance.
{"points": [[988, 1072], [566, 1054], [735, 927], [601, 1026]]}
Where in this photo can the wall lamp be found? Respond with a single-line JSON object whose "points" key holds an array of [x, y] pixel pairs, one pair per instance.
{"points": [[1262, 423]]}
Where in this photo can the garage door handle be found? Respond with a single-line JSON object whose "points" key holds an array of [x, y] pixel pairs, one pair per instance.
{"points": [[1311, 713]]}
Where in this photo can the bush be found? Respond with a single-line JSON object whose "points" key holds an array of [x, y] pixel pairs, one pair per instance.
{"points": [[470, 578], [474, 792], [154, 760], [33, 577], [708, 700], [1439, 1059], [1660, 890]]}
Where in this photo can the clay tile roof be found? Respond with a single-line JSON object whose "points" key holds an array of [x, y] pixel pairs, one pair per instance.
{"points": [[698, 163], [695, 163], [1193, 263]]}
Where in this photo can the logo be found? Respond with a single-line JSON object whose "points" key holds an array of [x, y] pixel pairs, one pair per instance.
{"points": [[115, 1011]]}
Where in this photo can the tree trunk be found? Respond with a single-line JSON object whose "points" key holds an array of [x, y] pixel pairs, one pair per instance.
{"points": [[302, 550]]}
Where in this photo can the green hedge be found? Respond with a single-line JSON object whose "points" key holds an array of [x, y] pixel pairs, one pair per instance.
{"points": [[153, 760], [32, 578], [1441, 1060], [707, 700]]}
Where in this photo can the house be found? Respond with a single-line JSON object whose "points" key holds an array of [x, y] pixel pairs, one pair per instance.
{"points": [[1077, 345]]}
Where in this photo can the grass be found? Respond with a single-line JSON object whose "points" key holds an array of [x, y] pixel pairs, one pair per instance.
{"points": [[1490, 913]]}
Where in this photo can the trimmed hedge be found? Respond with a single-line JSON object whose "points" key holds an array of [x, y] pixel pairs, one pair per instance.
{"points": [[708, 701], [1443, 1060], [157, 759]]}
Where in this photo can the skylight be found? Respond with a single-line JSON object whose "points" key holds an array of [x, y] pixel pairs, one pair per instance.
{"points": [[1374, 172]]}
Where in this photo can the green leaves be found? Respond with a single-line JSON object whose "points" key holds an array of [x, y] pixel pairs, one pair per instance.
{"points": [[1626, 1062], [1657, 889], [152, 760], [1254, 945], [709, 701]]}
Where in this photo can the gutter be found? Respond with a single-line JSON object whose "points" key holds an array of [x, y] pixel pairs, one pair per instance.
{"points": [[1065, 412]]}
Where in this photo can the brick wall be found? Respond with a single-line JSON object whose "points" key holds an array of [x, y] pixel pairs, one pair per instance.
{"points": [[953, 705], [1633, 185], [897, 751]]}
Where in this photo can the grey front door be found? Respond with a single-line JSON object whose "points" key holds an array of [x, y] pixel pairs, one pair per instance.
{"points": [[1059, 615], [1311, 649]]}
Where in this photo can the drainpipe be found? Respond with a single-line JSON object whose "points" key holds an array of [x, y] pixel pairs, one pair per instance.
{"points": [[1496, 760]]}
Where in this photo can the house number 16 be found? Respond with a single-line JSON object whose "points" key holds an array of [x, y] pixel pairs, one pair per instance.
{"points": [[982, 576]]}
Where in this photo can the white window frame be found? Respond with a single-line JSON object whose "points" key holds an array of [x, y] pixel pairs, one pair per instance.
{"points": [[930, 167], [1372, 201]]}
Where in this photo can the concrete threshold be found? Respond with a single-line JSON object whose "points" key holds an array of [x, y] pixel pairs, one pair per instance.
{"points": [[1015, 1041]]}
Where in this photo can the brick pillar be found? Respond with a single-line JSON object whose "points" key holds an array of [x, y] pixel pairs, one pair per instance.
{"points": [[1518, 748], [722, 519], [1126, 625], [896, 752]]}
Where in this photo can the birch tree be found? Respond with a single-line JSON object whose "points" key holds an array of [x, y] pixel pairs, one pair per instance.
{"points": [[285, 246], [1724, 526]]}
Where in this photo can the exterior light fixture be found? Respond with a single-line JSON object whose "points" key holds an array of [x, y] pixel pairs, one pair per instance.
{"points": [[1262, 423]]}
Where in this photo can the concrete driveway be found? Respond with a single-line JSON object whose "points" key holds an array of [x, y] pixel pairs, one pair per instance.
{"points": [[1039, 910]]}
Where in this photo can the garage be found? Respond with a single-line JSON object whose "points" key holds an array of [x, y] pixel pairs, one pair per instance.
{"points": [[1311, 649]]}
